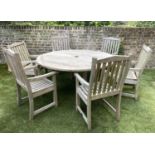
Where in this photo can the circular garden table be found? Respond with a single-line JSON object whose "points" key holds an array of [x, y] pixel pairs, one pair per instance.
{"points": [[70, 60]]}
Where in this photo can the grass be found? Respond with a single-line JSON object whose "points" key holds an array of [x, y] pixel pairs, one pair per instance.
{"points": [[136, 116]]}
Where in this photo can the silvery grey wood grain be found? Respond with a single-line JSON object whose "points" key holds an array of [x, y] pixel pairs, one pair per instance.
{"points": [[34, 86], [70, 60], [60, 43], [110, 45], [21, 49], [134, 74], [106, 79]]}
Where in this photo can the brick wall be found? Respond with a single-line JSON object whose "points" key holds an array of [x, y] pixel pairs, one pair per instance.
{"points": [[38, 39]]}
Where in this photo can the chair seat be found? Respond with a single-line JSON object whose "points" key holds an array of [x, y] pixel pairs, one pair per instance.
{"points": [[131, 78], [83, 91], [42, 86], [131, 82], [131, 75]]}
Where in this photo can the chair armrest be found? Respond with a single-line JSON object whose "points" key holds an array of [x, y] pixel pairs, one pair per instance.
{"points": [[24, 63], [33, 56], [135, 69], [81, 80], [30, 67], [138, 71], [40, 77]]}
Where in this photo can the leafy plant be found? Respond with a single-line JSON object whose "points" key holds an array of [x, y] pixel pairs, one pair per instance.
{"points": [[57, 23]]}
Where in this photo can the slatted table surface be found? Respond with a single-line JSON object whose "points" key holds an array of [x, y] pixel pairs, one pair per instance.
{"points": [[70, 60]]}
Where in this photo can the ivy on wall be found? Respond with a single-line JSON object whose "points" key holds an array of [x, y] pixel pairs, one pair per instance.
{"points": [[148, 24]]}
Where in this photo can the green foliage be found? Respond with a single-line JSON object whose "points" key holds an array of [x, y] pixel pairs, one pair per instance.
{"points": [[145, 24], [57, 23], [118, 23], [131, 24], [148, 24]]}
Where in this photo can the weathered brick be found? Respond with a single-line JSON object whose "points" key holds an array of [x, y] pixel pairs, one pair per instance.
{"points": [[38, 38]]}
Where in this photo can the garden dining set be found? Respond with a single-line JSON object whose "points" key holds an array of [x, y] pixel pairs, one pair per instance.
{"points": [[107, 72]]}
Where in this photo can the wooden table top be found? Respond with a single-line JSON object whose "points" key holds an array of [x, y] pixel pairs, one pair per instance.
{"points": [[70, 60]]}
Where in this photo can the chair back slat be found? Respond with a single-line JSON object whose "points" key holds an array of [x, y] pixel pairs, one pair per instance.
{"points": [[108, 75], [144, 56], [110, 45], [60, 43], [21, 49], [14, 63]]}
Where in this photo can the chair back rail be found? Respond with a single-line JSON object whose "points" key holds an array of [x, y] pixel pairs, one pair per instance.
{"points": [[20, 47], [14, 63], [108, 75], [144, 56], [133, 77], [110, 45], [60, 43]]}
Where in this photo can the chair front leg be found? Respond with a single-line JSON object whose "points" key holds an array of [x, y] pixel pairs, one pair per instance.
{"points": [[77, 101], [55, 91], [77, 96], [31, 107], [18, 94], [136, 91], [118, 103], [89, 114]]}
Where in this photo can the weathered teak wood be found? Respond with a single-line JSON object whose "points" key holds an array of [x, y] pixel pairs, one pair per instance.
{"points": [[70, 60], [60, 43], [110, 45], [134, 74], [34, 86], [26, 58], [20, 47], [106, 79]]}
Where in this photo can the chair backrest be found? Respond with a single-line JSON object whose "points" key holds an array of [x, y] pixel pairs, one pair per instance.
{"points": [[14, 62], [144, 56], [108, 75], [21, 49], [60, 43], [110, 45]]}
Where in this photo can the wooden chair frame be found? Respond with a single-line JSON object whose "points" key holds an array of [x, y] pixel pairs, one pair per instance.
{"points": [[134, 74], [34, 86], [110, 45], [60, 43], [106, 79], [26, 58], [21, 48]]}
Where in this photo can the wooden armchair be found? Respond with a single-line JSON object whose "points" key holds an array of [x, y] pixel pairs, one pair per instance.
{"points": [[34, 86], [26, 58], [60, 43], [110, 45], [106, 79], [134, 74]]}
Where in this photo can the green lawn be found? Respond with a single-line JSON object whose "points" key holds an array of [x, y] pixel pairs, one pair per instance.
{"points": [[136, 116]]}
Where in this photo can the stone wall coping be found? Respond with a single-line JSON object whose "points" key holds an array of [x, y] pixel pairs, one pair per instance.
{"points": [[71, 27]]}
